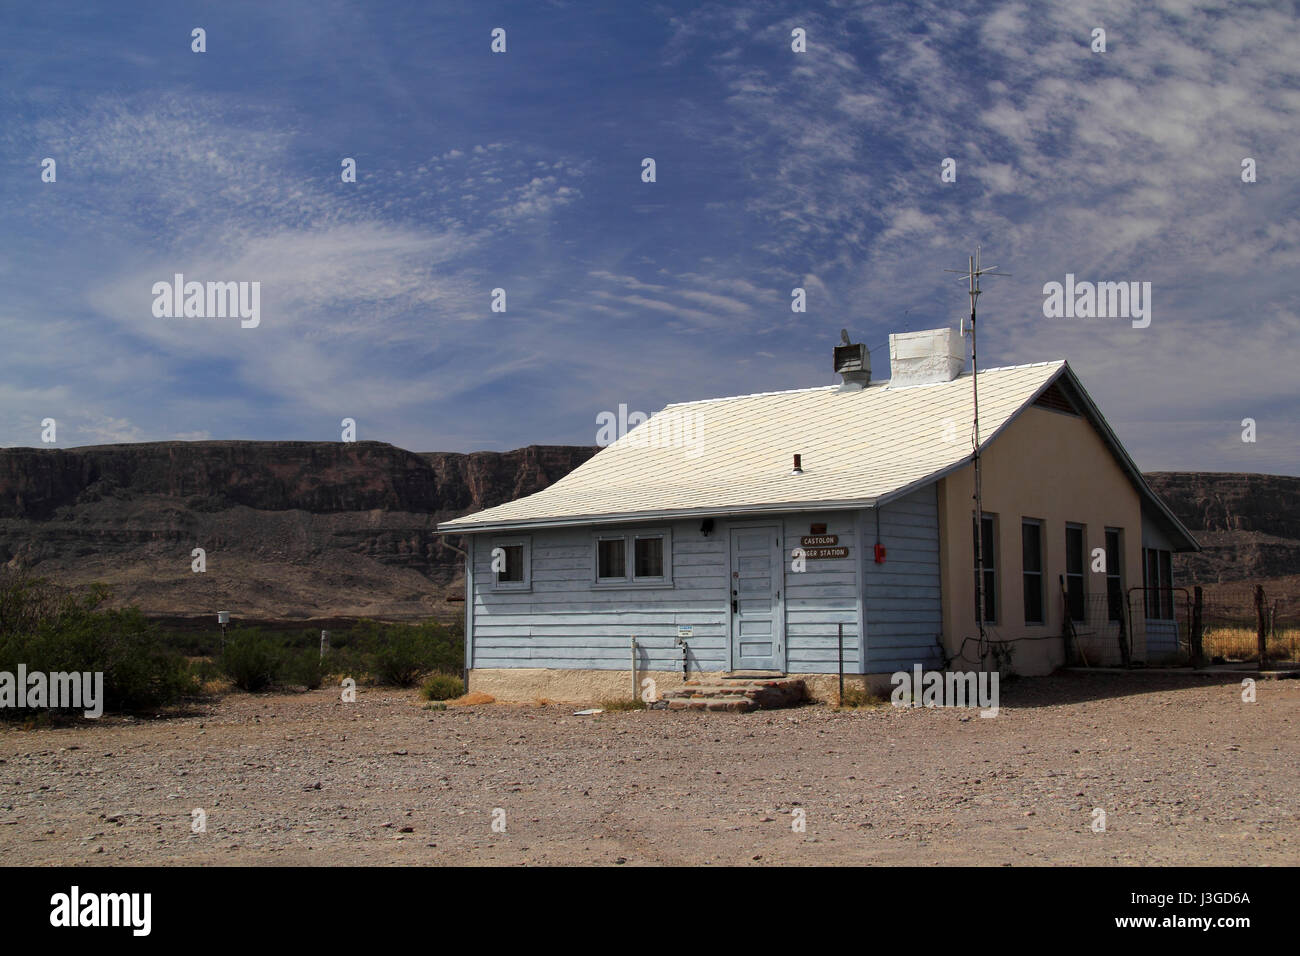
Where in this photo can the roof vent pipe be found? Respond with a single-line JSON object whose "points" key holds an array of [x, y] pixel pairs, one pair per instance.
{"points": [[798, 465]]}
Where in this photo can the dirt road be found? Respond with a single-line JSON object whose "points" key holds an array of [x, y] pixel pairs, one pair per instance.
{"points": [[1185, 771]]}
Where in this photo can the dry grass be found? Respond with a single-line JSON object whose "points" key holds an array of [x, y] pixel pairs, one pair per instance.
{"points": [[472, 699], [856, 697], [1241, 643]]}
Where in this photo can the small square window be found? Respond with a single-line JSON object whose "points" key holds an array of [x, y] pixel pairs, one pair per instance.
{"points": [[611, 558], [514, 564], [649, 558], [634, 559], [509, 565]]}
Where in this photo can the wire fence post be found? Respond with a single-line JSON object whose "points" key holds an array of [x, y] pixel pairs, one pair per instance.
{"points": [[1198, 633], [1261, 625]]}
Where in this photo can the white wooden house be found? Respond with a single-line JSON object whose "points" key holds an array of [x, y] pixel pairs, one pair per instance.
{"points": [[697, 535]]}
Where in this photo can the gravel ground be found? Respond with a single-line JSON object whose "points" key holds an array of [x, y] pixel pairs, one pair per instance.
{"points": [[1185, 771]]}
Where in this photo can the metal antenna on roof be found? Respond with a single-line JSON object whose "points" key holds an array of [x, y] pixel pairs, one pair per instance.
{"points": [[972, 275]]}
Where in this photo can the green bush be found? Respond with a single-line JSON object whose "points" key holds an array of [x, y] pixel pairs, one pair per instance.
{"points": [[400, 653], [304, 667], [402, 657], [52, 631], [442, 687], [252, 660]]}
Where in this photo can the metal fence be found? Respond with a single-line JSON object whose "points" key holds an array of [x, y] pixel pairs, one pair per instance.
{"points": [[1192, 625], [1234, 616], [1136, 627]]}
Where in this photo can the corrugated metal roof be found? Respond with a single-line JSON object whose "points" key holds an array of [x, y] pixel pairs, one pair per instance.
{"points": [[734, 455]]}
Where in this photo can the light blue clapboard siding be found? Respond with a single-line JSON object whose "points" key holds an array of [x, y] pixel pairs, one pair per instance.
{"points": [[901, 597], [823, 596], [564, 621]]}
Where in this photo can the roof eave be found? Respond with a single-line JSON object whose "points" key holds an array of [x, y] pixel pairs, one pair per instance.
{"points": [[640, 517]]}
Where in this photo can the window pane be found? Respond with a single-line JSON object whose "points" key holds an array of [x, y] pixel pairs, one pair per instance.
{"points": [[1114, 582], [1074, 588], [1073, 550], [1031, 546], [611, 558], [649, 557], [1031, 555], [1114, 598], [1074, 593], [1033, 599], [988, 558], [514, 571]]}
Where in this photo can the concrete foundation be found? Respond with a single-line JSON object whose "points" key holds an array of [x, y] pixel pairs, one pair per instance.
{"points": [[524, 684]]}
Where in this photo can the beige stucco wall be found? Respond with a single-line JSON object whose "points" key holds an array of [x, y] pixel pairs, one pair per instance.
{"points": [[1055, 468]]}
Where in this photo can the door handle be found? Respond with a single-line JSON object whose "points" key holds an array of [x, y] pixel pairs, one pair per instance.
{"points": [[735, 606]]}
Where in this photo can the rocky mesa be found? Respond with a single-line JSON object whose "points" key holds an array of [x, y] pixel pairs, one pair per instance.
{"points": [[303, 530], [289, 529]]}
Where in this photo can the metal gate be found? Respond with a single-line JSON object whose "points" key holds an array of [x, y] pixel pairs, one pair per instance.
{"points": [[1160, 622]]}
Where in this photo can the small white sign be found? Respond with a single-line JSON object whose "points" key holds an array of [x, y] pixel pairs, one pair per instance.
{"points": [[685, 631]]}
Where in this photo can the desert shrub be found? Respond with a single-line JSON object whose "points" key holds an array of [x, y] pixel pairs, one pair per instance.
{"points": [[402, 656], [53, 631], [303, 667], [400, 653], [346, 661], [252, 660], [442, 687]]}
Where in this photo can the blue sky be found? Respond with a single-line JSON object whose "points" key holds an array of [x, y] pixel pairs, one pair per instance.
{"points": [[522, 171]]}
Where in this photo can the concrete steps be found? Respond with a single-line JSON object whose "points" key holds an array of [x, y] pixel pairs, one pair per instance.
{"points": [[737, 694]]}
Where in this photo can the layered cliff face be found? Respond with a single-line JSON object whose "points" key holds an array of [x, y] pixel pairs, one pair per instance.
{"points": [[1248, 527], [290, 529], [324, 529]]}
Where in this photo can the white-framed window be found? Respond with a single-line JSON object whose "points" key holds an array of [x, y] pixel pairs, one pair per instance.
{"points": [[1031, 564], [611, 558], [1158, 578], [633, 559], [1076, 591], [511, 564], [1114, 574]]}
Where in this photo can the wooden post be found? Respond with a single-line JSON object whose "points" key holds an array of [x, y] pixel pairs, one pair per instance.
{"points": [[1198, 608], [840, 702], [1261, 625], [1123, 641]]}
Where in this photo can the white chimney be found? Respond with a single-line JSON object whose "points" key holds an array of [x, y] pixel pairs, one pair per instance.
{"points": [[924, 358]]}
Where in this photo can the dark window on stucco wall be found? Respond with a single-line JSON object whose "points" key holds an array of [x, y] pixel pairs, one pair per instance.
{"points": [[1074, 564], [1031, 547]]}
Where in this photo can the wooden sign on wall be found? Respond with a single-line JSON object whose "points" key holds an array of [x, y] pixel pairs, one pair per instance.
{"points": [[840, 552]]}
